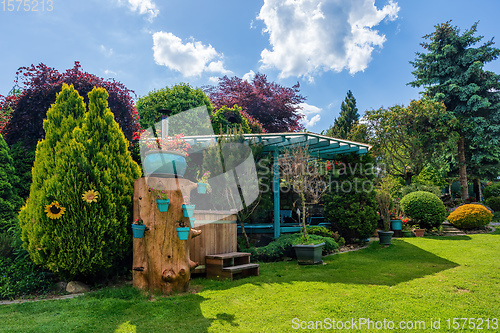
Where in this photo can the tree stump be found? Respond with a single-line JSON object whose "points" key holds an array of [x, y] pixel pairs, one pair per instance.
{"points": [[161, 261]]}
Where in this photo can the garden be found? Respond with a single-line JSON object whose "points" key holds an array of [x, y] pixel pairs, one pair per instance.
{"points": [[134, 215]]}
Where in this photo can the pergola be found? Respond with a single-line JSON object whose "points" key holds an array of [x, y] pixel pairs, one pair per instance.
{"points": [[319, 146]]}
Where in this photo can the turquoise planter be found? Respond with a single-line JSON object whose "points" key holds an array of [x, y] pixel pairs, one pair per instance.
{"points": [[202, 188], [164, 164], [183, 233], [191, 219], [385, 237], [188, 210], [138, 230], [162, 204], [396, 224]]}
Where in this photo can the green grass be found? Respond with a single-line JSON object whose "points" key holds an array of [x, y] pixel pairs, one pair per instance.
{"points": [[416, 279]]}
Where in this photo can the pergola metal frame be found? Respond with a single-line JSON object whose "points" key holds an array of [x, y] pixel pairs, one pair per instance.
{"points": [[319, 146]]}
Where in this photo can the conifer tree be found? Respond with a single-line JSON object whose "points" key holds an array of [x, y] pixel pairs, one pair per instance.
{"points": [[348, 117], [10, 202], [80, 201]]}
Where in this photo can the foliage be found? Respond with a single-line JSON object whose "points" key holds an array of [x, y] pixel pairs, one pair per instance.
{"points": [[283, 247], [452, 72], [470, 216], [424, 208], [492, 190], [22, 278], [39, 86], [6, 109], [170, 101], [407, 139], [10, 202], [325, 232], [350, 201], [384, 201], [415, 187], [493, 203], [225, 119], [348, 118], [430, 176], [82, 151], [23, 156], [274, 106], [6, 245]]}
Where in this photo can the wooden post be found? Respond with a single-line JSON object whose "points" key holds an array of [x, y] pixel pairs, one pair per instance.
{"points": [[161, 261]]}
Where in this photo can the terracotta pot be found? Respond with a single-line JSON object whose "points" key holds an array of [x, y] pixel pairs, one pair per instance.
{"points": [[419, 232]]}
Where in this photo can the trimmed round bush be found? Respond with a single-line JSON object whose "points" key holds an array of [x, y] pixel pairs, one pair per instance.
{"points": [[470, 216], [493, 203], [424, 208]]}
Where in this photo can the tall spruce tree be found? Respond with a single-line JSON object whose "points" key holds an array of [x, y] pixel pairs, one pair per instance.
{"points": [[452, 72], [348, 118], [75, 221]]}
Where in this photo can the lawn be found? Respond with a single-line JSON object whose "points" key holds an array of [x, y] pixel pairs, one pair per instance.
{"points": [[415, 280]]}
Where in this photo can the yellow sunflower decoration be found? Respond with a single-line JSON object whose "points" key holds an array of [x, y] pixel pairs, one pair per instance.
{"points": [[54, 211], [90, 196]]}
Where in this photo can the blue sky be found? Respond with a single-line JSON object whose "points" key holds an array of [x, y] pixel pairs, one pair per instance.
{"points": [[328, 46]]}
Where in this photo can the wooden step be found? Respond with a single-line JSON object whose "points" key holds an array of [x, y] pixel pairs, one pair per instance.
{"points": [[226, 265], [228, 255], [240, 268]]}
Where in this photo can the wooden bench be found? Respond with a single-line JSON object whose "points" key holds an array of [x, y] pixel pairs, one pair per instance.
{"points": [[226, 265]]}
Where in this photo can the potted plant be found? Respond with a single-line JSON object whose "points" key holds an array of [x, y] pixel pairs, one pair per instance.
{"points": [[299, 171], [162, 199], [182, 230], [187, 209], [395, 215], [191, 221], [406, 229], [418, 231], [203, 185], [384, 203], [138, 228]]}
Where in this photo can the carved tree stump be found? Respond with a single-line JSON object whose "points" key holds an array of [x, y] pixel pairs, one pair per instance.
{"points": [[161, 261]]}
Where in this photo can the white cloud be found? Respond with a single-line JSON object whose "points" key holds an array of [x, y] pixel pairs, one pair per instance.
{"points": [[144, 7], [311, 36], [109, 72], [249, 76], [309, 110], [213, 79], [191, 59], [107, 52]]}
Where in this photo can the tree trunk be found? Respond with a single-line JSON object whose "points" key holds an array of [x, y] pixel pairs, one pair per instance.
{"points": [[462, 168], [161, 261]]}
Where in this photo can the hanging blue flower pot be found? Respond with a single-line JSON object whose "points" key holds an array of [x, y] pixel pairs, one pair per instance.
{"points": [[183, 233], [138, 230], [396, 224], [202, 188], [188, 210], [162, 204], [191, 219]]}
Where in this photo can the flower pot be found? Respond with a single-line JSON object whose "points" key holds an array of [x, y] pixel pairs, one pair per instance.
{"points": [[164, 164], [191, 220], [162, 204], [183, 233], [309, 254], [407, 233], [419, 232], [138, 230], [385, 237], [202, 188], [188, 210], [396, 225]]}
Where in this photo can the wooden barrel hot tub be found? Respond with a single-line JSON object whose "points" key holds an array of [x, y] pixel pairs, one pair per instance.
{"points": [[217, 237]]}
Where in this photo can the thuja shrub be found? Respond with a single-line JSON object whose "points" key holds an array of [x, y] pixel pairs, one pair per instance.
{"points": [[75, 220], [470, 216], [424, 208], [10, 202]]}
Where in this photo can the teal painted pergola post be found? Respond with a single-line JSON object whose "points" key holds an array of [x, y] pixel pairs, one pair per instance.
{"points": [[276, 190]]}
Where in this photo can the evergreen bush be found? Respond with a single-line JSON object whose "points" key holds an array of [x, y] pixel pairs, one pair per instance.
{"points": [[10, 202], [424, 208], [492, 190], [75, 220], [415, 187], [470, 216], [493, 203]]}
